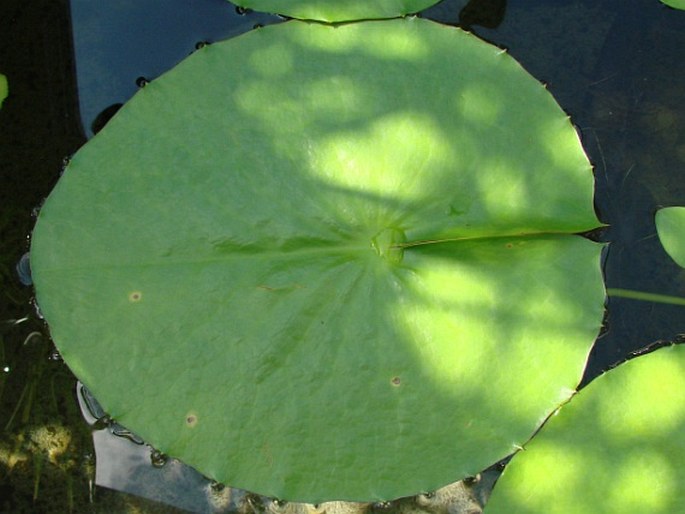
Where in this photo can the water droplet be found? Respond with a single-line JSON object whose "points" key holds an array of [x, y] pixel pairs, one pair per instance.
{"points": [[121, 431], [201, 44], [5, 369], [135, 296], [242, 11], [396, 381], [55, 356], [23, 268], [142, 82], [158, 459]]}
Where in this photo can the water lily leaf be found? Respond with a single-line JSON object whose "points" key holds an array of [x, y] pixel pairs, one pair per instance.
{"points": [[337, 10], [4, 90], [324, 262], [670, 227], [616, 447], [676, 4]]}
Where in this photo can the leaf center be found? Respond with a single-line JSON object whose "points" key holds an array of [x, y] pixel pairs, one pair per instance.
{"points": [[387, 244]]}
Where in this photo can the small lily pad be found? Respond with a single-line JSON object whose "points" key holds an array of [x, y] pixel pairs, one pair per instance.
{"points": [[337, 10], [4, 89], [328, 262], [616, 447], [676, 4], [670, 226]]}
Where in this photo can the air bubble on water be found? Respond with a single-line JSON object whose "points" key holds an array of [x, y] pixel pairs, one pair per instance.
{"points": [[217, 486], [472, 480], [36, 210], [55, 356], [221, 497], [23, 269]]}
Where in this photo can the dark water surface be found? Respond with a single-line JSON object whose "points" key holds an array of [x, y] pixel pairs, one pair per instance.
{"points": [[616, 67]]}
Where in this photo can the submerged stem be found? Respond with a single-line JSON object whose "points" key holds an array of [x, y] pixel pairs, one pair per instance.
{"points": [[647, 297]]}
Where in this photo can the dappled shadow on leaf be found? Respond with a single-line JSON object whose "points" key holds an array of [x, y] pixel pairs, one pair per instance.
{"points": [[311, 365]]}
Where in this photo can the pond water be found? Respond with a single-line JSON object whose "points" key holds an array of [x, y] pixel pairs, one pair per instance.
{"points": [[614, 66]]}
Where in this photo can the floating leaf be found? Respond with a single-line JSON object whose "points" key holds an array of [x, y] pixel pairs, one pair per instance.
{"points": [[325, 262], [676, 4], [4, 90], [616, 447], [337, 10], [670, 226]]}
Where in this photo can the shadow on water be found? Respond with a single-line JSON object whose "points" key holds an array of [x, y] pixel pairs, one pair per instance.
{"points": [[624, 106]]}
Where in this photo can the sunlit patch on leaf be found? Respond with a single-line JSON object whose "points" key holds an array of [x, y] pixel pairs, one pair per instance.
{"points": [[338, 10], [363, 274]]}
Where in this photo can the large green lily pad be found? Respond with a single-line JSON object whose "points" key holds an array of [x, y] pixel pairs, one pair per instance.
{"points": [[670, 227], [615, 448], [325, 262], [337, 10]]}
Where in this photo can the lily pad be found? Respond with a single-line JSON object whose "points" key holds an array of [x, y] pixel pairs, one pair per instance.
{"points": [[4, 90], [328, 263], [676, 4], [670, 226], [616, 447], [337, 10]]}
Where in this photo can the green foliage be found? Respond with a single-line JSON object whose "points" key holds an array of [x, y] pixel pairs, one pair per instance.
{"points": [[4, 88], [311, 261], [676, 4], [338, 10], [617, 447], [670, 226]]}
